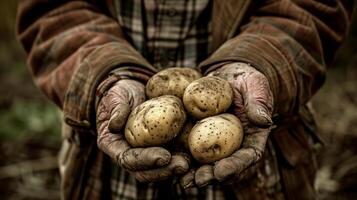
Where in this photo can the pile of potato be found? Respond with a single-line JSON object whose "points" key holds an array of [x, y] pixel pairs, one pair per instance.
{"points": [[187, 110]]}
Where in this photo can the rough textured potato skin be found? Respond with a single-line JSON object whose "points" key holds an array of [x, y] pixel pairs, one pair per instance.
{"points": [[171, 81], [155, 121], [216, 137], [207, 96]]}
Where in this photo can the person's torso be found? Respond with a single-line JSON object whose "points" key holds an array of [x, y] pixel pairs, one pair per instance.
{"points": [[168, 33]]}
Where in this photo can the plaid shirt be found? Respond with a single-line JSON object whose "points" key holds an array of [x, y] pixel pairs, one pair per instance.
{"points": [[73, 46], [167, 33], [171, 33]]}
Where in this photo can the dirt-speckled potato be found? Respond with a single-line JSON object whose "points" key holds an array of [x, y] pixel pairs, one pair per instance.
{"points": [[207, 96], [171, 81], [216, 137], [155, 121]]}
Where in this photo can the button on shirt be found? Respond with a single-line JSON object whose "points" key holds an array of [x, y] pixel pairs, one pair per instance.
{"points": [[168, 33]]}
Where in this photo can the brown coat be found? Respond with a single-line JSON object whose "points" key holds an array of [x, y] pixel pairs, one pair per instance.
{"points": [[73, 45]]}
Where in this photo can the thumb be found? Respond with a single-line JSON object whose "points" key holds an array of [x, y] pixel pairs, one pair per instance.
{"points": [[252, 92], [259, 115], [119, 118], [121, 98], [258, 100], [144, 158], [178, 165]]}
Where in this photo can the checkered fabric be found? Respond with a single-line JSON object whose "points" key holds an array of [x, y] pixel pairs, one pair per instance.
{"points": [[167, 33], [72, 46]]}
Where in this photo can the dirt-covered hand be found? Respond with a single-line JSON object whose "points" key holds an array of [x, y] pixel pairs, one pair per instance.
{"points": [[253, 105], [147, 164]]}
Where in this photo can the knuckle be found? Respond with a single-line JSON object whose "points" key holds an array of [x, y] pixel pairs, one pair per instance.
{"points": [[121, 161]]}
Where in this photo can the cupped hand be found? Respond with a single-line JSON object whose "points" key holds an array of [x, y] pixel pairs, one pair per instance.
{"points": [[146, 164], [253, 105]]}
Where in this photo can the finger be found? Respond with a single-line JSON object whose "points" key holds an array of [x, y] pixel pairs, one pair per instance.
{"points": [[119, 118], [188, 179], [113, 145], [144, 158], [136, 92], [232, 166], [183, 163], [116, 146], [252, 93], [120, 99], [178, 165], [129, 158], [116, 95], [253, 148], [204, 175], [259, 100], [256, 138], [245, 175]]}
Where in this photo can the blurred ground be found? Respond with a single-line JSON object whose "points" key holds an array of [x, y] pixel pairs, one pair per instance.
{"points": [[30, 128], [29, 124]]}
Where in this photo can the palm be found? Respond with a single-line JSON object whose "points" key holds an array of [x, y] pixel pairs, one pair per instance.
{"points": [[146, 164]]}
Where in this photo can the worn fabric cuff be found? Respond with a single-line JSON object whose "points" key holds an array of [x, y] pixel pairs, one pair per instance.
{"points": [[106, 61]]}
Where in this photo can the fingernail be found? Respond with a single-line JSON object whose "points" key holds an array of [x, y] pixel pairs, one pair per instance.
{"points": [[114, 126], [261, 112], [187, 180], [188, 185], [162, 161], [269, 121], [181, 169], [200, 185]]}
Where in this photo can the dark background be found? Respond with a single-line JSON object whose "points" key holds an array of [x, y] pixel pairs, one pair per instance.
{"points": [[30, 125]]}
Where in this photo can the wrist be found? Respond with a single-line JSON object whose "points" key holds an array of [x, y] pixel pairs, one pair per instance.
{"points": [[123, 73]]}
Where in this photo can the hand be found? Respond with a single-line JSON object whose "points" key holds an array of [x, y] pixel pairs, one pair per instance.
{"points": [[253, 105], [146, 164]]}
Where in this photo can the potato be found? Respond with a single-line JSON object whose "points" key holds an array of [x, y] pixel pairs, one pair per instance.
{"points": [[155, 121], [207, 96], [216, 137], [171, 81]]}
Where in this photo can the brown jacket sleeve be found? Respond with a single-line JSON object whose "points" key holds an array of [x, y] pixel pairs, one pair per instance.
{"points": [[72, 46], [291, 42]]}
